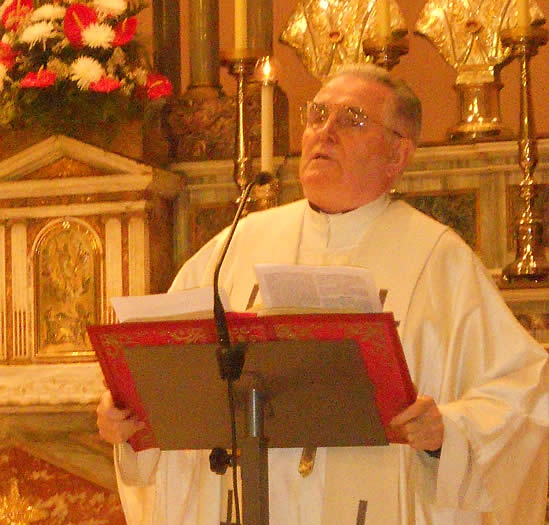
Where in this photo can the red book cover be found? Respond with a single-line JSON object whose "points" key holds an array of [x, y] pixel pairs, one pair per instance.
{"points": [[375, 334]]}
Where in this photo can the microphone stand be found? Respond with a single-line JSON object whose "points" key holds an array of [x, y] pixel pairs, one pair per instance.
{"points": [[230, 359]]}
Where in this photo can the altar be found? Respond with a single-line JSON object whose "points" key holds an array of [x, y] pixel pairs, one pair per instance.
{"points": [[78, 225]]}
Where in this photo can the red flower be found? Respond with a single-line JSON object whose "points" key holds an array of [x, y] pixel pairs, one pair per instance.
{"points": [[124, 31], [41, 79], [7, 55], [105, 85], [15, 13], [77, 18], [158, 86]]}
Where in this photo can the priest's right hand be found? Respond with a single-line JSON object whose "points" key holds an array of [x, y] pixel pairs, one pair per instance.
{"points": [[115, 425]]}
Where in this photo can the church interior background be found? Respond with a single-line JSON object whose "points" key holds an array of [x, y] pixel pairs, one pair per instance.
{"points": [[86, 216]]}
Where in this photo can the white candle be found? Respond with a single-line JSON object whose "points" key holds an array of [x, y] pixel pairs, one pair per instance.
{"points": [[240, 24], [384, 18], [523, 15], [267, 114]]}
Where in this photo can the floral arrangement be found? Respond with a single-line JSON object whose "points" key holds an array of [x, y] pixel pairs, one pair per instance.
{"points": [[67, 65]]}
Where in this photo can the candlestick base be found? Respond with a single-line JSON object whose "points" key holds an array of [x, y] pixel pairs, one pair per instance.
{"points": [[386, 52], [530, 263], [265, 196]]}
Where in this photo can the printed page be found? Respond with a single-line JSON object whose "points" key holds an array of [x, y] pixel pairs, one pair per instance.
{"points": [[342, 288], [195, 303]]}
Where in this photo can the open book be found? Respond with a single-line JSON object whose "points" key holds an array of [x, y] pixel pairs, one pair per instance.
{"points": [[195, 303], [284, 289], [317, 288]]}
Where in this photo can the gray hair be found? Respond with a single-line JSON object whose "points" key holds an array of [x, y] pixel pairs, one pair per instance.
{"points": [[407, 106]]}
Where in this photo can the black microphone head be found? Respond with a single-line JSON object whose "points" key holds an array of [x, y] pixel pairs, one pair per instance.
{"points": [[263, 177]]}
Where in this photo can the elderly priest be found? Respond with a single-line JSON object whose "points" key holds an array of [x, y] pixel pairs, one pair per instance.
{"points": [[476, 449]]}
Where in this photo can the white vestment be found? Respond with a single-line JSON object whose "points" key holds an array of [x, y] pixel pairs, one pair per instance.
{"points": [[462, 345]]}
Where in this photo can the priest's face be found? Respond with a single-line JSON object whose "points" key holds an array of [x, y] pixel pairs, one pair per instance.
{"points": [[351, 150]]}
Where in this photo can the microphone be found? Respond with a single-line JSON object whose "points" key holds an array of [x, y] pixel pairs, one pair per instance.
{"points": [[231, 358]]}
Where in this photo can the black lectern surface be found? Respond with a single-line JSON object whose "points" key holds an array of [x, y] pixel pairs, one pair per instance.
{"points": [[317, 393]]}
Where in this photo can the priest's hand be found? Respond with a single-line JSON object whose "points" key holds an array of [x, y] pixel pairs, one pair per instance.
{"points": [[115, 425], [421, 424]]}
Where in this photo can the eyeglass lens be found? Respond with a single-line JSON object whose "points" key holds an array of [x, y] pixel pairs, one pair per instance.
{"points": [[346, 116]]}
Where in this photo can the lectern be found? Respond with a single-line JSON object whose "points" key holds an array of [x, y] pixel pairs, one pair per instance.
{"points": [[323, 380]]}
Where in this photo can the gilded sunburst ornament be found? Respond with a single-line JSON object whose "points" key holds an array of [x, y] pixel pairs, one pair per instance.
{"points": [[17, 510]]}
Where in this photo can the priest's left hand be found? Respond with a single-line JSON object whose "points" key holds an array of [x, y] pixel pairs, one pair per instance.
{"points": [[421, 424]]}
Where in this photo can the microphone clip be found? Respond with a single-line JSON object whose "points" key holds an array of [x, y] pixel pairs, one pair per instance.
{"points": [[230, 360]]}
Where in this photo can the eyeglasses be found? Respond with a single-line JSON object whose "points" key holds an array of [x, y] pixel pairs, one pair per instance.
{"points": [[315, 114]]}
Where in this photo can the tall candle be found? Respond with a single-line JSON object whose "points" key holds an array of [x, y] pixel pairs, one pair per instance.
{"points": [[384, 18], [267, 117], [240, 24], [523, 15], [266, 71]]}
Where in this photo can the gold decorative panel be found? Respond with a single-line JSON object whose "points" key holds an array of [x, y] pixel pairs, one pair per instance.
{"points": [[328, 34], [67, 276]]}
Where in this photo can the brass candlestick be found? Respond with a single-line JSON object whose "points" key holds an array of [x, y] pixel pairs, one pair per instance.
{"points": [[242, 67], [530, 263], [386, 52]]}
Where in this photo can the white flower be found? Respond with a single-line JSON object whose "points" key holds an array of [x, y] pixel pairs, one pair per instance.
{"points": [[39, 32], [110, 7], [48, 12], [85, 70], [98, 35]]}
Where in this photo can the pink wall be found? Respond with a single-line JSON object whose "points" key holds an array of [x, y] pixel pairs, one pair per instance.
{"points": [[422, 67]]}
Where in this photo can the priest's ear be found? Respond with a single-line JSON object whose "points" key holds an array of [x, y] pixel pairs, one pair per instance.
{"points": [[401, 154]]}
